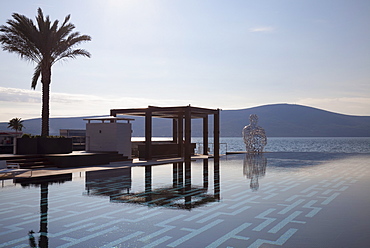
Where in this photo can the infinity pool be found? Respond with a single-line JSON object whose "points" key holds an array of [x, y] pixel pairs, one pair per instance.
{"points": [[272, 200]]}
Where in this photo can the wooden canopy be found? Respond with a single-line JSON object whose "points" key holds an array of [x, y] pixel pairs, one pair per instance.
{"points": [[179, 115]]}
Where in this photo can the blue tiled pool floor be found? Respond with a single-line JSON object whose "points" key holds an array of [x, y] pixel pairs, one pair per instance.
{"points": [[300, 200]]}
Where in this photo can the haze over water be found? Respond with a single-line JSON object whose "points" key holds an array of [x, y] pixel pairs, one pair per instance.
{"points": [[305, 144]]}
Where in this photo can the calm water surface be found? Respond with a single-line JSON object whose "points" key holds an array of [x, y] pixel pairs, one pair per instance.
{"points": [[278, 199]]}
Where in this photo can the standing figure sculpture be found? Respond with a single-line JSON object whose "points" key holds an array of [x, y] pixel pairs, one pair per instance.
{"points": [[254, 136]]}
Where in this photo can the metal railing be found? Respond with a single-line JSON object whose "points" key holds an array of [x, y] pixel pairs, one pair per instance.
{"points": [[78, 140], [199, 148]]}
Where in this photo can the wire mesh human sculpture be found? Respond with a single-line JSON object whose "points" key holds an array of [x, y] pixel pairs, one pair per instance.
{"points": [[254, 136]]}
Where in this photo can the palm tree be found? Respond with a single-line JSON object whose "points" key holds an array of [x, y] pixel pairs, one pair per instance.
{"points": [[44, 44], [16, 124]]}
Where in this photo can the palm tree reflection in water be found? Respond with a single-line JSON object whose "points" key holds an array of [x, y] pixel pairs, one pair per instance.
{"points": [[31, 239], [254, 168], [44, 197], [43, 239]]}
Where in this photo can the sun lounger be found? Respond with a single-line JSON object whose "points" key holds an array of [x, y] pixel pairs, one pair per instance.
{"points": [[11, 169], [12, 166]]}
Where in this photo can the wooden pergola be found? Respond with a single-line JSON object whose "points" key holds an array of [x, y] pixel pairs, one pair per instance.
{"points": [[181, 126], [181, 130]]}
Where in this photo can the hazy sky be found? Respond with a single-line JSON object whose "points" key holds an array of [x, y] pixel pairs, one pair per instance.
{"points": [[228, 54]]}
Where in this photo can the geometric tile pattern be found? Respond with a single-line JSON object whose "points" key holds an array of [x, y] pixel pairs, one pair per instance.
{"points": [[287, 200]]}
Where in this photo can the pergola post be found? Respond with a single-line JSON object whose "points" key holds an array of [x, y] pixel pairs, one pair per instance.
{"points": [[174, 131], [216, 141], [205, 135], [180, 174], [187, 134], [175, 175], [180, 134], [148, 134], [205, 173], [148, 183], [216, 134], [205, 151], [187, 155]]}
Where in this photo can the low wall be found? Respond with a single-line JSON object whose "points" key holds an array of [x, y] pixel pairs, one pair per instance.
{"points": [[163, 150], [70, 160], [44, 145]]}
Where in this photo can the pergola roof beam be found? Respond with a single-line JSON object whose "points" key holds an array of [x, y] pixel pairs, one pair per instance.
{"points": [[165, 112]]}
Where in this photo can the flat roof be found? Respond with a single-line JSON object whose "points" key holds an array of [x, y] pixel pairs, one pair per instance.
{"points": [[10, 133], [165, 112], [108, 118]]}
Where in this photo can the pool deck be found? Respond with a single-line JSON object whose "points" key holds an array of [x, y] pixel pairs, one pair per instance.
{"points": [[40, 172]]}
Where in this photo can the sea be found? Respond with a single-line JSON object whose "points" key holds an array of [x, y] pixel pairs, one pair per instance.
{"points": [[289, 144], [294, 144]]}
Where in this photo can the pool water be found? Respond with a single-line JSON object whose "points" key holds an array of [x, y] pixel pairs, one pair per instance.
{"points": [[271, 200]]}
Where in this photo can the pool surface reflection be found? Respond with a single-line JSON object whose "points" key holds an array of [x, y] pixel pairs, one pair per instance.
{"points": [[269, 200]]}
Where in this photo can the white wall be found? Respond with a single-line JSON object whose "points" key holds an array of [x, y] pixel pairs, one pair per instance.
{"points": [[107, 137], [123, 138]]}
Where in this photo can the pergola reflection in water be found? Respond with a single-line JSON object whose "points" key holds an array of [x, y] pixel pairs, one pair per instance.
{"points": [[182, 194]]}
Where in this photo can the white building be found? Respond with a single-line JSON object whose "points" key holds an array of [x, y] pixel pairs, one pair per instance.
{"points": [[8, 140], [109, 134]]}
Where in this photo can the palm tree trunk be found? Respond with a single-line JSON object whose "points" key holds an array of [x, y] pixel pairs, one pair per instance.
{"points": [[45, 80]]}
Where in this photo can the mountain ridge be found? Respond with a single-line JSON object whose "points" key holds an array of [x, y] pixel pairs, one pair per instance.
{"points": [[278, 120], [291, 120]]}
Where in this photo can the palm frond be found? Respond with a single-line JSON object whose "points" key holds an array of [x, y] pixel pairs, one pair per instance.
{"points": [[36, 76], [18, 37], [65, 46], [72, 54], [64, 30]]}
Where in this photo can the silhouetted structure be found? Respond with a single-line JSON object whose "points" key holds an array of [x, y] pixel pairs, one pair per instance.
{"points": [[179, 116]]}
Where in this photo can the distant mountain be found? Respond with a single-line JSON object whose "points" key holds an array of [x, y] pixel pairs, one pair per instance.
{"points": [[289, 120], [278, 120]]}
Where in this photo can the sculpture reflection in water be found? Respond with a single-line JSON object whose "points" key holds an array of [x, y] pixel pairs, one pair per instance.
{"points": [[254, 136], [43, 241], [254, 168], [181, 193]]}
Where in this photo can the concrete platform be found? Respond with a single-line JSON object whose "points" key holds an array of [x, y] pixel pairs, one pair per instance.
{"points": [[112, 165], [68, 160]]}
